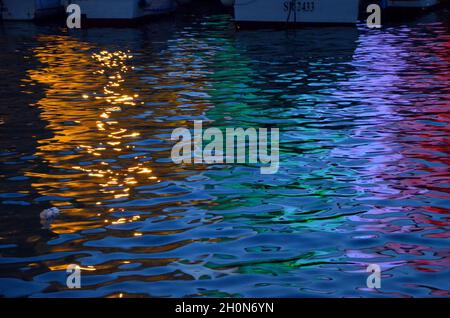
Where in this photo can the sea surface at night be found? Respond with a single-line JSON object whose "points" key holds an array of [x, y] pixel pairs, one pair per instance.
{"points": [[85, 124]]}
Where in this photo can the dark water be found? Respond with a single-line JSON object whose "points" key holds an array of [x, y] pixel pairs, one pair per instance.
{"points": [[85, 125]]}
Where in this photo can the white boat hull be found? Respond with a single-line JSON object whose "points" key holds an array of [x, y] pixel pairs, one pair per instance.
{"points": [[124, 9], [302, 11], [412, 3], [29, 9]]}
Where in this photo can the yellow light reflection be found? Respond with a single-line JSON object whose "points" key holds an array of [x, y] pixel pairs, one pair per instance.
{"points": [[86, 102]]}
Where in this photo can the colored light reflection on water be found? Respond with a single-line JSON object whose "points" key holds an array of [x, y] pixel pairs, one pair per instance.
{"points": [[364, 177]]}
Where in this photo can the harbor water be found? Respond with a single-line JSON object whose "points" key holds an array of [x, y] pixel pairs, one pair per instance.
{"points": [[85, 126]]}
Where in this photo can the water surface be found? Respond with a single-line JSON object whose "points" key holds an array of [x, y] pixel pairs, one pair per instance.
{"points": [[85, 125]]}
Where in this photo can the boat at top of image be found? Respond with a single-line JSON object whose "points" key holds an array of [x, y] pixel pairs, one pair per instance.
{"points": [[294, 11], [29, 9], [123, 10], [412, 4], [401, 10]]}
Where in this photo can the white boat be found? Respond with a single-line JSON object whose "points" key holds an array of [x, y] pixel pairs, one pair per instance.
{"points": [[29, 9], [124, 9], [295, 11], [413, 4]]}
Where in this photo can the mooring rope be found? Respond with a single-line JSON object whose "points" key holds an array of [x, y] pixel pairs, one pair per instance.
{"points": [[292, 6]]}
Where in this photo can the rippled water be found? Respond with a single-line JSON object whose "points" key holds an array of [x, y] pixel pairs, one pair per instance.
{"points": [[85, 125]]}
